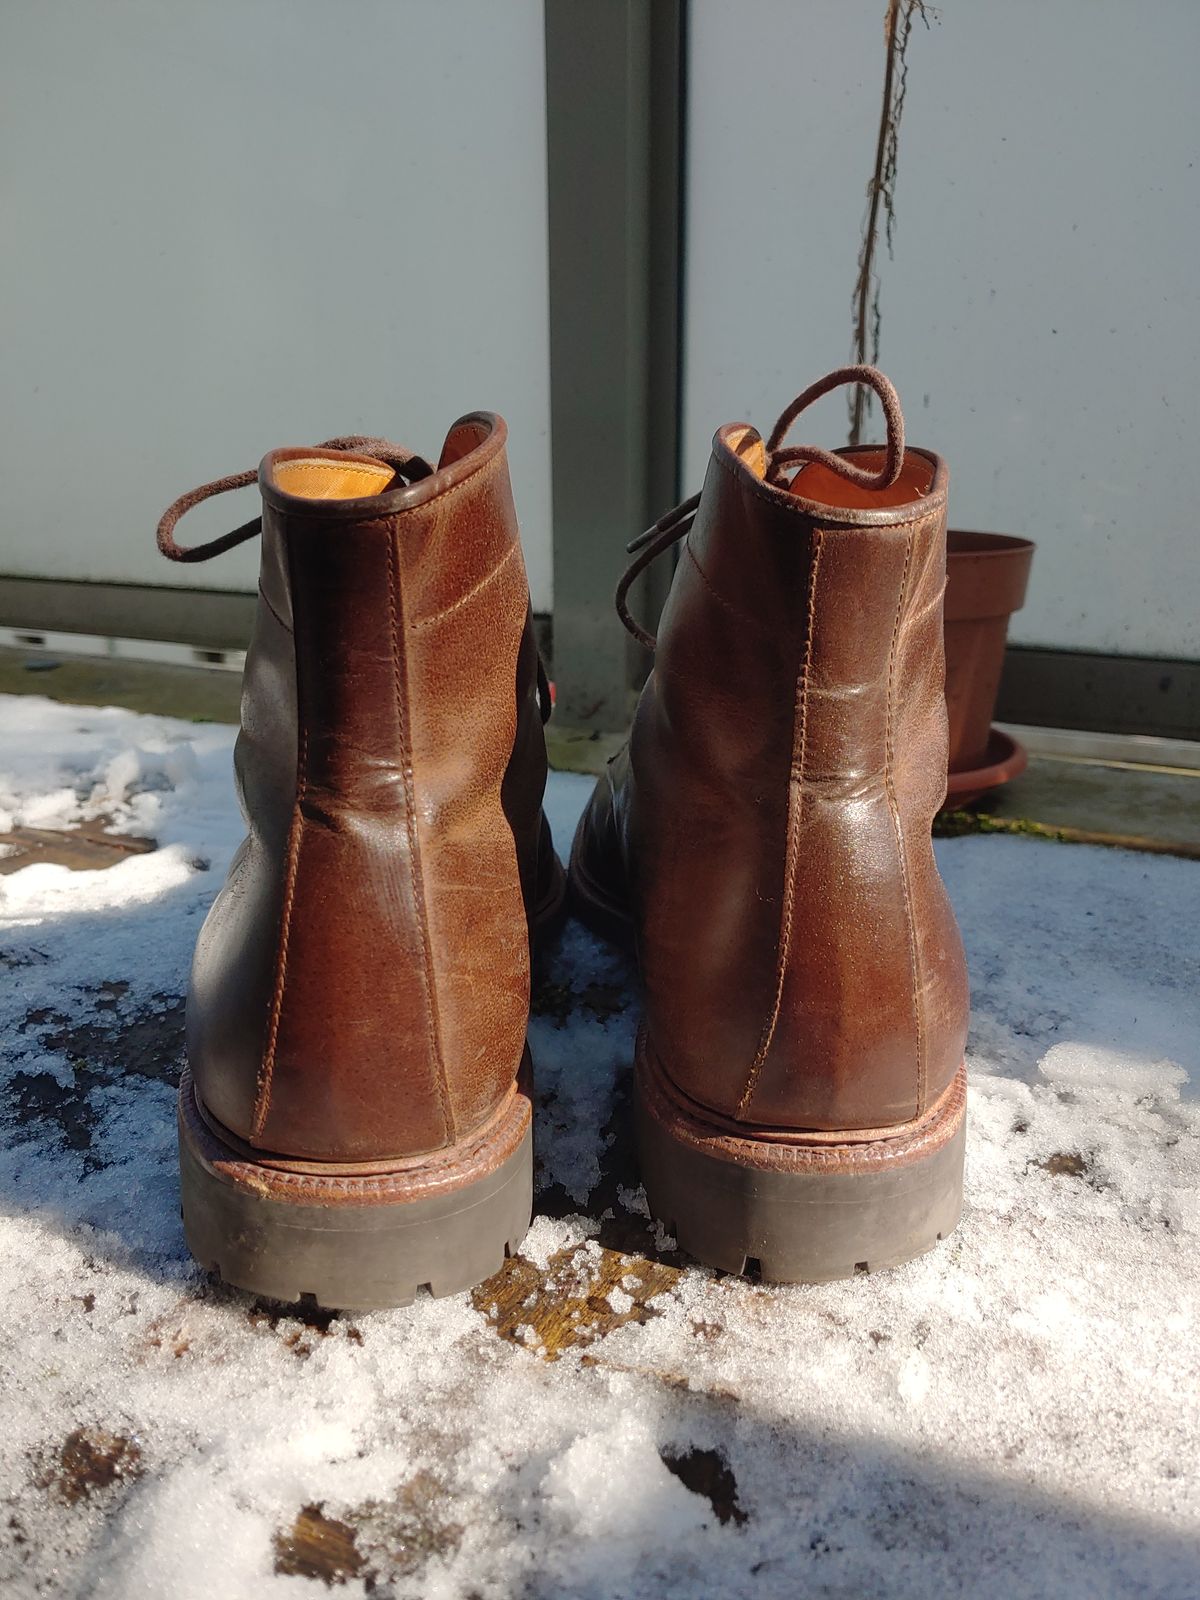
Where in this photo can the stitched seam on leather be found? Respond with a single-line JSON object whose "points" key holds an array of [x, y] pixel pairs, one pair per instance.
{"points": [[492, 461], [795, 815], [416, 877], [734, 611], [465, 599], [328, 465], [890, 787], [377, 512], [702, 1121], [263, 597], [267, 1074]]}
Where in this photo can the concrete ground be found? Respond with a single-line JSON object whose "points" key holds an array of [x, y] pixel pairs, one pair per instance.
{"points": [[1016, 1414]]}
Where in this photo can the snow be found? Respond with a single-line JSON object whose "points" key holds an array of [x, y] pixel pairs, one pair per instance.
{"points": [[1016, 1414]]}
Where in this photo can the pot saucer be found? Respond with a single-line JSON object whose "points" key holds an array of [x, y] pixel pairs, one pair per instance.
{"points": [[1004, 759]]}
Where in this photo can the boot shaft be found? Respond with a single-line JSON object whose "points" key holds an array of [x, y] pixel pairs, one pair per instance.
{"points": [[802, 965], [360, 989]]}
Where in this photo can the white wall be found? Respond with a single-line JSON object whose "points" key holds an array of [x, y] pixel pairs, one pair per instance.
{"points": [[1041, 315], [234, 224]]}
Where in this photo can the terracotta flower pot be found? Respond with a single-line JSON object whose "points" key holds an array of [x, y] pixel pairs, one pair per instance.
{"points": [[986, 578]]}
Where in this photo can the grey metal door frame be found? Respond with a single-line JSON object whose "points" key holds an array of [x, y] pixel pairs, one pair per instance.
{"points": [[616, 83], [615, 77]]}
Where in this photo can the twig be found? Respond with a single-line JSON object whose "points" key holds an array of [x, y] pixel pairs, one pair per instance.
{"points": [[881, 197]]}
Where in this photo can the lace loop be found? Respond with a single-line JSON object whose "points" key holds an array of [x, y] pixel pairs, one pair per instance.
{"points": [[408, 465], [647, 547], [780, 459], [677, 523]]}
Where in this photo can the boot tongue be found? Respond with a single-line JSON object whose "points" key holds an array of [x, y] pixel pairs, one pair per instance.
{"points": [[746, 443], [463, 437]]}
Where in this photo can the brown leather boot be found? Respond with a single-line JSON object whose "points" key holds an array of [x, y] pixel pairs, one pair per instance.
{"points": [[355, 1118], [765, 837]]}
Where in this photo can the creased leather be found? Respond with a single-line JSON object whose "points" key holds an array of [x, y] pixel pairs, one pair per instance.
{"points": [[361, 985], [769, 824]]}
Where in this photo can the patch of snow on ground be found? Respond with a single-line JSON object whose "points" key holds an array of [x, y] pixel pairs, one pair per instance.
{"points": [[1015, 1414]]}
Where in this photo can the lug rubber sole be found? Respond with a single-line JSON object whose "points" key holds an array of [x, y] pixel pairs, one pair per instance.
{"points": [[796, 1212], [356, 1241]]}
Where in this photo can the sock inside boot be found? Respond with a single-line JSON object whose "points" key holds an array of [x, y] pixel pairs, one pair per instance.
{"points": [[327, 478], [818, 484]]}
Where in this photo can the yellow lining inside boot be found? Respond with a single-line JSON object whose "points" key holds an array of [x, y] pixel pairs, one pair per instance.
{"points": [[319, 478]]}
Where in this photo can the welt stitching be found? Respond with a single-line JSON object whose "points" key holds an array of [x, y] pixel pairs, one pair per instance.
{"points": [[889, 786], [465, 599], [267, 1073], [432, 1031], [795, 815]]}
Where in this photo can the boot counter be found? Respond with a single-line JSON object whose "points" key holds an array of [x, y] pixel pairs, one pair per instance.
{"points": [[802, 963], [479, 763], [360, 989]]}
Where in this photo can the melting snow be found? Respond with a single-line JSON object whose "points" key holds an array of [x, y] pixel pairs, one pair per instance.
{"points": [[1015, 1414]]}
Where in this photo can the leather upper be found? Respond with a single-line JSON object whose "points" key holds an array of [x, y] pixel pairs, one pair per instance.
{"points": [[360, 989], [769, 823]]}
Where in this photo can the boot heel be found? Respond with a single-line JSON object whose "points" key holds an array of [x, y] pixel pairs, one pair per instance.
{"points": [[356, 1241], [802, 1213]]}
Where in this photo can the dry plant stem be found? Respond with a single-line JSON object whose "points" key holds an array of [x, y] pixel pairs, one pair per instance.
{"points": [[881, 197]]}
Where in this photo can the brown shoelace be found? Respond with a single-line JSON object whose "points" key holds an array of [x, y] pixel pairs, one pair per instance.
{"points": [[407, 465], [676, 523], [404, 462]]}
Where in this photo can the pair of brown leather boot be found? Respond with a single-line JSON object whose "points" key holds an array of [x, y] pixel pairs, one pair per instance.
{"points": [[356, 1119]]}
